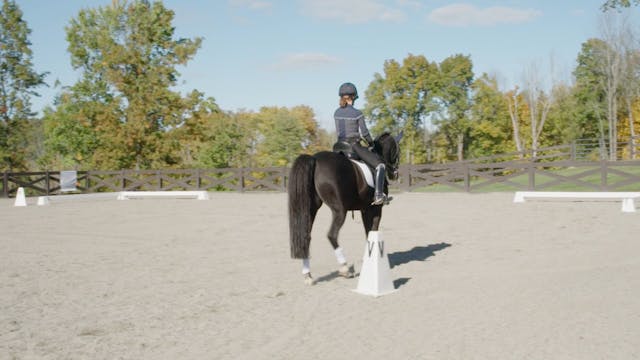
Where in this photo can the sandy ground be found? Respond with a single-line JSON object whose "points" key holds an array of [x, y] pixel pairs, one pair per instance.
{"points": [[477, 277]]}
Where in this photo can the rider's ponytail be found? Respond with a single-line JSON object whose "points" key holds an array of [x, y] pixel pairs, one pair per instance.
{"points": [[345, 100]]}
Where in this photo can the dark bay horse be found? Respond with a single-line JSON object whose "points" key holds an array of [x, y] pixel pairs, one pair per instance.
{"points": [[331, 178]]}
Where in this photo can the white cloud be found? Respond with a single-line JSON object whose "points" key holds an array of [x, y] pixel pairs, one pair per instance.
{"points": [[352, 12], [252, 4], [305, 61], [470, 15]]}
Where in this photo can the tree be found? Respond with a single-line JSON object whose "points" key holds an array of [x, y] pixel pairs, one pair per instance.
{"points": [[403, 99], [127, 55], [539, 102], [490, 125], [590, 91], [18, 82], [283, 136], [563, 126], [453, 94], [630, 84], [619, 4], [615, 33], [515, 103], [225, 146]]}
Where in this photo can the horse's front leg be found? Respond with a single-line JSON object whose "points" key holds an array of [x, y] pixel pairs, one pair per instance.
{"points": [[336, 224], [371, 218]]}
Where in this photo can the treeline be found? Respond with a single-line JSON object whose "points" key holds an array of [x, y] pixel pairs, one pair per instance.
{"points": [[123, 114]]}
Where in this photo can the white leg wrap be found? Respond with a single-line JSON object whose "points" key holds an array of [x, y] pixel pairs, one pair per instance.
{"points": [[340, 256], [305, 266]]}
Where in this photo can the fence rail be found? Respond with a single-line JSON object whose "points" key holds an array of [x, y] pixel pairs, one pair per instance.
{"points": [[510, 175], [242, 179], [523, 175]]}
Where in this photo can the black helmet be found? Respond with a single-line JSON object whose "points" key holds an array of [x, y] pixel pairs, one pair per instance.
{"points": [[348, 89]]}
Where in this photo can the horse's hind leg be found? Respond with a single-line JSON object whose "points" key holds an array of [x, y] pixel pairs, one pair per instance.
{"points": [[336, 224], [306, 264]]}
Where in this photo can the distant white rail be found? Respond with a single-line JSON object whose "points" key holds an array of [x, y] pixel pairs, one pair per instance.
{"points": [[199, 195], [628, 204]]}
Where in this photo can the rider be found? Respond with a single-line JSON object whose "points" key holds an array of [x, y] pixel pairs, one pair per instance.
{"points": [[350, 128]]}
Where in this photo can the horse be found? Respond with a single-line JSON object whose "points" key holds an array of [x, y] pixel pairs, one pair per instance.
{"points": [[333, 179]]}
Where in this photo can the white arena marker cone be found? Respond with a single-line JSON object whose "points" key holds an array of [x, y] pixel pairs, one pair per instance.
{"points": [[375, 275], [628, 205], [43, 200], [20, 198]]}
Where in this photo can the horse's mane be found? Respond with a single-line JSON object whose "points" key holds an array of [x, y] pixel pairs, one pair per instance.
{"points": [[383, 139]]}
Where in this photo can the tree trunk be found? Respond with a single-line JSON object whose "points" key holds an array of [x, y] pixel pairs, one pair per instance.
{"points": [[515, 122], [632, 131]]}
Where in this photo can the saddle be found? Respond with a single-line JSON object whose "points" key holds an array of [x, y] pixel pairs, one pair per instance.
{"points": [[346, 149], [366, 171]]}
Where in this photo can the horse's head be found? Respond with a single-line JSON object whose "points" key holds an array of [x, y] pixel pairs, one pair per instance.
{"points": [[388, 148]]}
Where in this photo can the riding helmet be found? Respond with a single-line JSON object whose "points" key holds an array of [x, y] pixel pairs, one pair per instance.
{"points": [[348, 89]]}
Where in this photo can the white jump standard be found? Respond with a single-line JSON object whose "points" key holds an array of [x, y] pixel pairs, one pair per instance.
{"points": [[628, 204]]}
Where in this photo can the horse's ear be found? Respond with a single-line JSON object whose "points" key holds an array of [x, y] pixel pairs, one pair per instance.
{"points": [[399, 137]]}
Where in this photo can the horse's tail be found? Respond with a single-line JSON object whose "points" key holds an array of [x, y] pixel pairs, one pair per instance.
{"points": [[301, 205]]}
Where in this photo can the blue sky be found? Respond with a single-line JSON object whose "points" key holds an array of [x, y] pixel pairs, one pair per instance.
{"points": [[297, 52]]}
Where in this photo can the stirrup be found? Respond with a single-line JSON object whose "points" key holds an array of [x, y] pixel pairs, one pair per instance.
{"points": [[383, 200], [379, 200]]}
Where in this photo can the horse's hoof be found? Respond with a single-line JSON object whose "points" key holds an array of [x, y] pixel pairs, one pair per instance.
{"points": [[308, 280], [346, 271]]}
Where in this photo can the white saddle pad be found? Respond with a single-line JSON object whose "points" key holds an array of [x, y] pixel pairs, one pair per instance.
{"points": [[364, 169]]}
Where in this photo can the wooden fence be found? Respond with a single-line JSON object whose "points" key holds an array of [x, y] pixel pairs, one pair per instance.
{"points": [[473, 176], [517, 175], [48, 182]]}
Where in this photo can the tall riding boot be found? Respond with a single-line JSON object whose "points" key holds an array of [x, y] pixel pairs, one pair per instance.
{"points": [[379, 196]]}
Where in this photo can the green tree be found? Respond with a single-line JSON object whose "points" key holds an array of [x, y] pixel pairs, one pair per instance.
{"points": [[490, 126], [589, 91], [225, 147], [127, 55], [619, 4], [561, 126], [453, 94], [71, 140], [18, 82], [402, 99], [283, 137]]}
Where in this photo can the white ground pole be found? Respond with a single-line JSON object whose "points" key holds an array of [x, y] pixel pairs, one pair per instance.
{"points": [[199, 195], [125, 195], [628, 203]]}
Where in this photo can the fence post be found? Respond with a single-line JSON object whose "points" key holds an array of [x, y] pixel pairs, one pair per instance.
{"points": [[284, 178], [532, 174], [241, 179], [467, 177], [603, 175], [159, 178], [573, 150], [47, 183], [5, 184], [405, 175]]}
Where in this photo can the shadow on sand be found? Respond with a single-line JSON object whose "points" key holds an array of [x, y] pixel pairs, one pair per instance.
{"points": [[418, 253]]}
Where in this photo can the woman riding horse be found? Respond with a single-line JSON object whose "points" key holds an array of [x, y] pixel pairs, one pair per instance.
{"points": [[350, 128]]}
